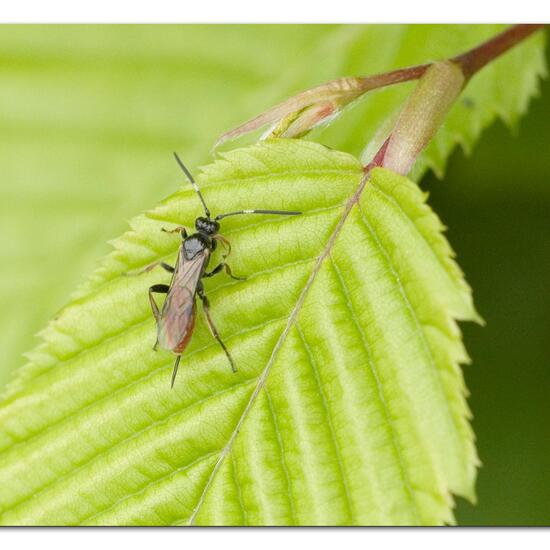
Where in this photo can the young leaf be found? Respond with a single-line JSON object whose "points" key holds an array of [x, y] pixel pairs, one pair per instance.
{"points": [[348, 405], [502, 89]]}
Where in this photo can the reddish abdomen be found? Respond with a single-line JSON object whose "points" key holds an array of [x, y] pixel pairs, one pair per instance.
{"points": [[190, 328]]}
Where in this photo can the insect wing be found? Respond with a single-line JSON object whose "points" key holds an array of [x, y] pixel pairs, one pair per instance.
{"points": [[177, 319]]}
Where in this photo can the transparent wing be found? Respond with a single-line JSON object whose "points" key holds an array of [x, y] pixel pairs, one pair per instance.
{"points": [[177, 318]]}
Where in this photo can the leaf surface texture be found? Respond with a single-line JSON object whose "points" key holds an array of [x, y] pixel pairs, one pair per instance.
{"points": [[348, 406]]}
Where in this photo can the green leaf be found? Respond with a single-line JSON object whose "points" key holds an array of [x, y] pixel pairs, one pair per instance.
{"points": [[348, 405]]}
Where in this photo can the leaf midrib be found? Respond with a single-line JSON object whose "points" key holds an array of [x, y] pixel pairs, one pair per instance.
{"points": [[291, 319]]}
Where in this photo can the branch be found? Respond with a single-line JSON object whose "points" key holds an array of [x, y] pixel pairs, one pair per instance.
{"points": [[475, 59]]}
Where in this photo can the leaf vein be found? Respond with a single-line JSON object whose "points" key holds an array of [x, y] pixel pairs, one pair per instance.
{"points": [[239, 491], [291, 319], [172, 473], [392, 200], [282, 455], [418, 325], [314, 368], [159, 422], [381, 396]]}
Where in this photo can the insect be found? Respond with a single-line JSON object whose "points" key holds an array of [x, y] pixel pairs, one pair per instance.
{"points": [[176, 319]]}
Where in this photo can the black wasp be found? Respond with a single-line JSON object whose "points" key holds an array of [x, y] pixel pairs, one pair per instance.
{"points": [[176, 318]]}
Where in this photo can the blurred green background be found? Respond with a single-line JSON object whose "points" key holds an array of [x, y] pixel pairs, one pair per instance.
{"points": [[89, 117]]}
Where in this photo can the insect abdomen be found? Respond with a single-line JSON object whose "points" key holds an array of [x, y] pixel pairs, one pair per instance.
{"points": [[175, 330], [190, 328]]}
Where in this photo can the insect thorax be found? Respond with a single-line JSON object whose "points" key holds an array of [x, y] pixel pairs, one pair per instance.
{"points": [[195, 244]]}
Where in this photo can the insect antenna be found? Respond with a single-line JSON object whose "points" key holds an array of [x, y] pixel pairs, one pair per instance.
{"points": [[175, 371], [193, 183], [281, 212]]}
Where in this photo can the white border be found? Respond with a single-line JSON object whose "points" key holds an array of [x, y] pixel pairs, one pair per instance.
{"points": [[268, 539], [274, 11]]}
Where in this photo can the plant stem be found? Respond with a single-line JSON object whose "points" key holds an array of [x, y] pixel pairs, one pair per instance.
{"points": [[470, 62], [422, 115], [367, 83], [475, 59], [439, 86]]}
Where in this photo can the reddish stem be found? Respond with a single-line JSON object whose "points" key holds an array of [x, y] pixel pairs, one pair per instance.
{"points": [[393, 77], [470, 62], [475, 59]]}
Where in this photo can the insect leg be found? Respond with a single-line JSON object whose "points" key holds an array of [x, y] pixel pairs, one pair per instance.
{"points": [[219, 267], [222, 265], [225, 243], [216, 270], [164, 265], [179, 229], [212, 327], [162, 289], [150, 267], [228, 271]]}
